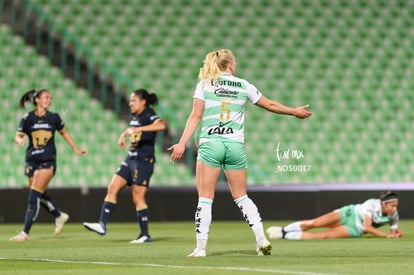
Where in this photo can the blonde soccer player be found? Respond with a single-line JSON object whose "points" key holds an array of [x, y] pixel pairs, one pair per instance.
{"points": [[219, 105]]}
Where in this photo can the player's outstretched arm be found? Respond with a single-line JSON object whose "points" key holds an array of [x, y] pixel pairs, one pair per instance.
{"points": [[191, 125], [156, 126], [68, 138], [374, 231], [279, 108]]}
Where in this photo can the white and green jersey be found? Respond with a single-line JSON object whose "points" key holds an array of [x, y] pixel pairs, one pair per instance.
{"points": [[224, 106], [372, 208]]}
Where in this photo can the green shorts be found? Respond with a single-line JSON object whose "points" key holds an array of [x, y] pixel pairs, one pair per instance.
{"points": [[229, 155], [348, 219]]}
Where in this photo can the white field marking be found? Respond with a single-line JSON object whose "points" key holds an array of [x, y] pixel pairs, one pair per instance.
{"points": [[248, 269]]}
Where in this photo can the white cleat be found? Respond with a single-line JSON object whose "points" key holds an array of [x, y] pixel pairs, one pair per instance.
{"points": [[264, 248], [197, 253], [95, 227], [60, 222], [20, 237], [275, 232], [142, 239]]}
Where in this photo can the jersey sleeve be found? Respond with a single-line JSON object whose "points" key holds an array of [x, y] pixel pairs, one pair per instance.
{"points": [[368, 208], [152, 116], [22, 125], [253, 93], [199, 92], [59, 123]]}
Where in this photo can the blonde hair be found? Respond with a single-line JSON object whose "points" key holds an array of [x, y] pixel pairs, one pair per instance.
{"points": [[215, 63]]}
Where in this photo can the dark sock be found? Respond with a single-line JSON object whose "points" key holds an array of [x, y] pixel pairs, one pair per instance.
{"points": [[106, 211], [32, 209], [283, 233], [48, 204], [142, 217]]}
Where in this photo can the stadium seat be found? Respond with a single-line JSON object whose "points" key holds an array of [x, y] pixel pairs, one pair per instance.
{"points": [[76, 108], [350, 60]]}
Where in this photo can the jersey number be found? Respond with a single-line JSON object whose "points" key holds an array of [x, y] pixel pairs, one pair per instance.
{"points": [[225, 112]]}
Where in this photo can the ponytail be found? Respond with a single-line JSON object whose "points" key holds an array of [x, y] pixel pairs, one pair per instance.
{"points": [[30, 96], [150, 98], [214, 64]]}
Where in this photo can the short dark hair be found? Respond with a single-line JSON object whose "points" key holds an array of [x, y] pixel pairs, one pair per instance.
{"points": [[387, 196]]}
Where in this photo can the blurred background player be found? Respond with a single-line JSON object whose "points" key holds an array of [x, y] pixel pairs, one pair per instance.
{"points": [[219, 104], [350, 221], [40, 126], [136, 170]]}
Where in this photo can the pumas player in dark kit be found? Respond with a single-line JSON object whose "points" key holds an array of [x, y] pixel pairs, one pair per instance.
{"points": [[137, 168], [40, 126]]}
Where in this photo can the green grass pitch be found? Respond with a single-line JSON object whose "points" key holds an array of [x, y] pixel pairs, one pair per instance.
{"points": [[231, 250]]}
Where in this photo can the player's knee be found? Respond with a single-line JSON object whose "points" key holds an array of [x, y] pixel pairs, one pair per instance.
{"points": [[112, 190], [313, 223]]}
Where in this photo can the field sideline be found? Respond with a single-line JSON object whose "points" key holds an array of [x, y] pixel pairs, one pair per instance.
{"points": [[231, 250]]}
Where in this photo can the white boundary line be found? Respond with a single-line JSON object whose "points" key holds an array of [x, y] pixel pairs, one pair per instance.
{"points": [[247, 269]]}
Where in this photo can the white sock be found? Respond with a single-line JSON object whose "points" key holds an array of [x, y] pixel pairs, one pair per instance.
{"points": [[293, 227], [296, 235], [203, 221], [252, 216], [201, 244]]}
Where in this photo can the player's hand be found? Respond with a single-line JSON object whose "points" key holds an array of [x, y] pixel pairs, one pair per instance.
{"points": [[393, 235], [301, 112], [397, 233], [121, 141], [81, 152], [20, 141], [177, 151]]}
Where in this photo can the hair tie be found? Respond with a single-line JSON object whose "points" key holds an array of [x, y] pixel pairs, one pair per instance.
{"points": [[389, 200], [36, 92], [388, 196]]}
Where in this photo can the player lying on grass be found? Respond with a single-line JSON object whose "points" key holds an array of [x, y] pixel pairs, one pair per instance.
{"points": [[350, 221]]}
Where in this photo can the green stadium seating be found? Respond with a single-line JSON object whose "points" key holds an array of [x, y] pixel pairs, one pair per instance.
{"points": [[350, 60], [90, 125]]}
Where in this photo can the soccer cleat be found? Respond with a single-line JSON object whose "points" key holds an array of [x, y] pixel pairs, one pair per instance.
{"points": [[264, 248], [95, 227], [21, 237], [142, 239], [275, 232], [60, 222], [197, 253]]}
